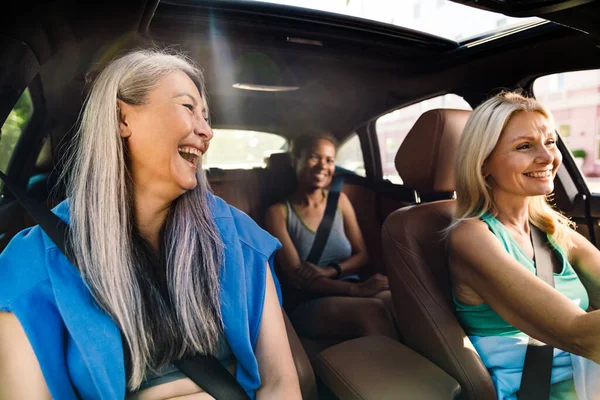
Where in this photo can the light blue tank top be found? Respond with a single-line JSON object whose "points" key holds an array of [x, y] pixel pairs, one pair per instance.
{"points": [[337, 248]]}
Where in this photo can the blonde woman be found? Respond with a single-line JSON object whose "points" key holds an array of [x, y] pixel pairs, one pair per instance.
{"points": [[506, 164], [164, 269]]}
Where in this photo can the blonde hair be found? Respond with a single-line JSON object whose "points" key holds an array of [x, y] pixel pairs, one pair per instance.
{"points": [[104, 239], [481, 135]]}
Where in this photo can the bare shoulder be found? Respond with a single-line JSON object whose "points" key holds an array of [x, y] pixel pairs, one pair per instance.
{"points": [[275, 217], [471, 243], [467, 233], [20, 373], [345, 202], [581, 245], [276, 210], [12, 336]]}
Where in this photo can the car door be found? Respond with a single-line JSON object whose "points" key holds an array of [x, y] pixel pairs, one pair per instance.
{"points": [[21, 110]]}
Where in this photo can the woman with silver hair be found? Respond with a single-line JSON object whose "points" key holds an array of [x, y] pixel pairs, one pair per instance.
{"points": [[164, 269], [506, 164]]}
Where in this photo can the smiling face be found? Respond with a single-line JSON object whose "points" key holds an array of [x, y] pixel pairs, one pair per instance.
{"points": [[316, 166], [166, 136], [525, 159]]}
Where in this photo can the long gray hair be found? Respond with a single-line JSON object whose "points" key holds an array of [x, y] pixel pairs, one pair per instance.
{"points": [[103, 237]]}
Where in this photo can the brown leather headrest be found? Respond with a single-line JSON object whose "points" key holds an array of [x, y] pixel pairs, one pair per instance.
{"points": [[279, 161], [425, 160]]}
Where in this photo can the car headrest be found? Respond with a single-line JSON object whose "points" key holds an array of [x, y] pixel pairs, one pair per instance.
{"points": [[425, 160], [279, 161]]}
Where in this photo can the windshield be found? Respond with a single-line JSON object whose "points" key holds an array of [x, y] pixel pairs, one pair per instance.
{"points": [[437, 17]]}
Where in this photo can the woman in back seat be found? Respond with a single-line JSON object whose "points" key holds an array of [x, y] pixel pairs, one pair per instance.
{"points": [[506, 164], [326, 300]]}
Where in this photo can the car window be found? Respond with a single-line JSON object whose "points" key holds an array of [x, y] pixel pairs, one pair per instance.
{"points": [[241, 149], [13, 127], [393, 127], [349, 155], [573, 99]]}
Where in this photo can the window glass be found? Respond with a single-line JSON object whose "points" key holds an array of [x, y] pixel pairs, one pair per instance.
{"points": [[573, 98], [349, 155], [443, 18], [13, 127], [393, 127], [239, 149]]}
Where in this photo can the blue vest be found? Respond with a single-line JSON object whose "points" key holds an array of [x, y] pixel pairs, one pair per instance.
{"points": [[78, 346]]}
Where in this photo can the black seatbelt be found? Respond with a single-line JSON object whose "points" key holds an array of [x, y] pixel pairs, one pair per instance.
{"points": [[327, 222], [208, 373], [537, 370], [54, 227], [204, 370]]}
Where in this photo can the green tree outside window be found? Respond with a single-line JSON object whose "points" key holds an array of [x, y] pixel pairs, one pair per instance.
{"points": [[13, 127]]}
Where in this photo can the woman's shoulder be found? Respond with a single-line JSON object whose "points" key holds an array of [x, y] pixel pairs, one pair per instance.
{"points": [[22, 265], [277, 210], [467, 233], [247, 231]]}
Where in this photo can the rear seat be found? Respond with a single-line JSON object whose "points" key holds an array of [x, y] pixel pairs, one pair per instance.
{"points": [[254, 190], [239, 188]]}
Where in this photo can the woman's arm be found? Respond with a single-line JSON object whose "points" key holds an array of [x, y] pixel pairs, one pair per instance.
{"points": [[359, 257], [275, 221], [523, 300], [585, 258], [279, 379], [290, 263], [20, 373]]}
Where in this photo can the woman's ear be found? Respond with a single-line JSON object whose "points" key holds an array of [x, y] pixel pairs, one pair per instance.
{"points": [[123, 111], [484, 172]]}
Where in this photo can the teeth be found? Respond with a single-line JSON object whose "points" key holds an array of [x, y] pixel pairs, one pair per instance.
{"points": [[189, 150], [190, 154], [544, 174]]}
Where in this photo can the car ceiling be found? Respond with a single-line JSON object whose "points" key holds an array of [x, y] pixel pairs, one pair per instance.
{"points": [[361, 70]]}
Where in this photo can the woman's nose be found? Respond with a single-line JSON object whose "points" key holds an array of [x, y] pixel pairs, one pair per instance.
{"points": [[545, 156], [203, 129]]}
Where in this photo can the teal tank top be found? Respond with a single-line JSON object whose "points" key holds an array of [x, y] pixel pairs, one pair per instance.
{"points": [[481, 320]]}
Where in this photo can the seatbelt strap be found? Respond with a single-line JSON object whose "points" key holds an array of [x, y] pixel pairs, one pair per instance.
{"points": [[537, 370], [204, 370], [324, 228], [55, 228], [208, 373]]}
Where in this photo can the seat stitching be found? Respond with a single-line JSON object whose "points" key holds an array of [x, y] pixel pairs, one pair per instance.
{"points": [[426, 312], [341, 377]]}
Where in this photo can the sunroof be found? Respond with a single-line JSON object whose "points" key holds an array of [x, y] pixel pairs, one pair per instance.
{"points": [[437, 17]]}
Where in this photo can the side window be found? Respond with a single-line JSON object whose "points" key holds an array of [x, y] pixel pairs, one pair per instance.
{"points": [[393, 127], [573, 99], [349, 155], [13, 127], [240, 149]]}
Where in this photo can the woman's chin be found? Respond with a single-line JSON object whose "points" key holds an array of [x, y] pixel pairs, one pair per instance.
{"points": [[543, 191], [186, 182], [190, 184], [184, 175], [320, 183]]}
